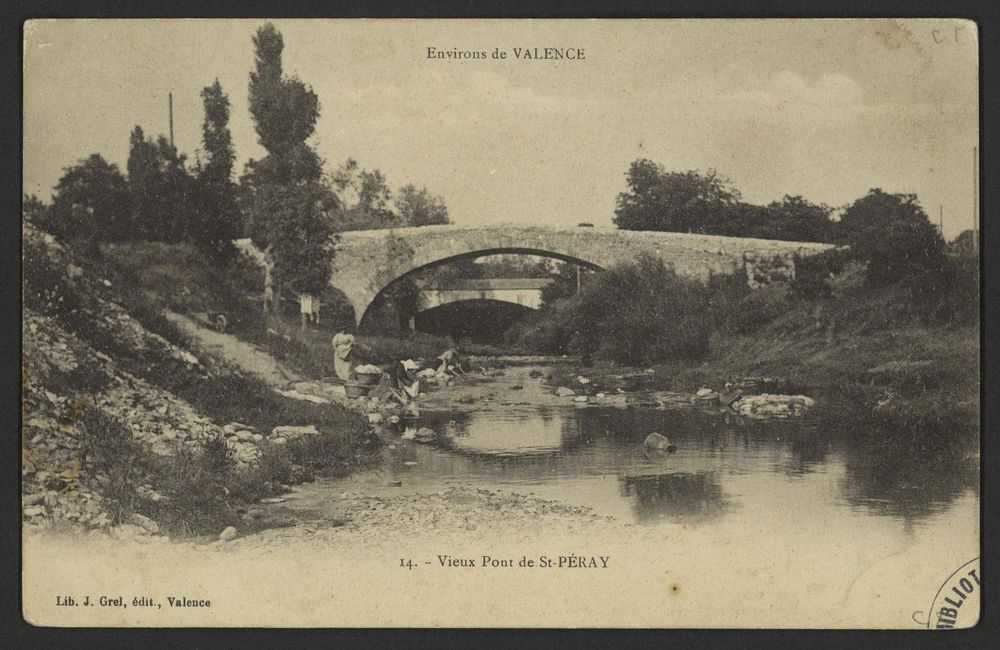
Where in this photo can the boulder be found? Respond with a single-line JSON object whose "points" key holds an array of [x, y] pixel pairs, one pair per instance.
{"points": [[245, 436], [145, 523], [425, 434], [289, 431], [581, 398], [768, 405], [562, 391], [657, 442], [228, 534], [703, 391]]}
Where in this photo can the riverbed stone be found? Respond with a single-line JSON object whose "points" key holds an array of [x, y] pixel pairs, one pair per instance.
{"points": [[290, 431]]}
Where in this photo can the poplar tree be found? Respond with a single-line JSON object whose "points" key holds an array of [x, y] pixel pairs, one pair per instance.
{"points": [[288, 202]]}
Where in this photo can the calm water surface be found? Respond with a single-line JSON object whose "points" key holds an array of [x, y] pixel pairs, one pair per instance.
{"points": [[724, 467]]}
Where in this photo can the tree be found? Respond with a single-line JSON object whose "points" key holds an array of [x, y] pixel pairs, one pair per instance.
{"points": [[420, 207], [144, 184], [91, 202], [289, 204], [364, 199], [164, 196], [218, 212], [673, 201], [792, 219], [891, 232]]}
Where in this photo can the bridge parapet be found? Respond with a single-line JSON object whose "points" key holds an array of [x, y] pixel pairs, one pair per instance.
{"points": [[368, 261]]}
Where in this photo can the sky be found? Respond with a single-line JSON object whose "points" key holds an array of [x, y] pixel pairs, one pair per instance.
{"points": [[825, 109]]}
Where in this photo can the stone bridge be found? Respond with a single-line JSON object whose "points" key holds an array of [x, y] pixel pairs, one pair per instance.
{"points": [[526, 292], [367, 261]]}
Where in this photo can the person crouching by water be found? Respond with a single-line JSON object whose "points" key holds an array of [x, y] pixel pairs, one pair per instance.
{"points": [[343, 344], [451, 363], [403, 381]]}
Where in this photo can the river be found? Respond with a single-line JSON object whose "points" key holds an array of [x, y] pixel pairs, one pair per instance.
{"points": [[779, 477]]}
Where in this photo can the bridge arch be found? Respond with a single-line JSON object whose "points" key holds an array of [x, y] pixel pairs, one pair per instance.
{"points": [[478, 320], [416, 270], [368, 261]]}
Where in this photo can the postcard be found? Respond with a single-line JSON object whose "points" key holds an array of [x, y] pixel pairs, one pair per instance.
{"points": [[501, 323]]}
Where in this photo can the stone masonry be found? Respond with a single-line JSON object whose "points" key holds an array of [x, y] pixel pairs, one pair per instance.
{"points": [[367, 261]]}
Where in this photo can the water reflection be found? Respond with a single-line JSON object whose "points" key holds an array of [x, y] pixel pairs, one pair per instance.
{"points": [[907, 483], [679, 496], [581, 453]]}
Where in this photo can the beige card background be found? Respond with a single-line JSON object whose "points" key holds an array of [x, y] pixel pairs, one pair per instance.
{"points": [[532, 142]]}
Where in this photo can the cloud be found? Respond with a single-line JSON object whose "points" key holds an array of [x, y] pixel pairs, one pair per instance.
{"points": [[788, 89]]}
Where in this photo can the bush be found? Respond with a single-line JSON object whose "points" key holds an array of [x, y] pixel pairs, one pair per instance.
{"points": [[631, 314], [117, 461], [47, 287], [892, 234], [812, 273]]}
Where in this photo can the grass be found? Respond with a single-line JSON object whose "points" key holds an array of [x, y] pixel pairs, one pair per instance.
{"points": [[202, 490]]}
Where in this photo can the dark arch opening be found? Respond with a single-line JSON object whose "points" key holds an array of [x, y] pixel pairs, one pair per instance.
{"points": [[477, 320], [471, 255]]}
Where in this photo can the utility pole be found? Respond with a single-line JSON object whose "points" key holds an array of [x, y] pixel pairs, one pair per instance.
{"points": [[170, 110], [941, 219]]}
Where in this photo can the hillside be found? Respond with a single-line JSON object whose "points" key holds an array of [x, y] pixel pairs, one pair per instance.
{"points": [[130, 428]]}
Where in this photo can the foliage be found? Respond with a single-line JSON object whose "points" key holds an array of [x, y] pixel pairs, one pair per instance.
{"points": [[792, 219], [116, 460], [420, 207], [288, 203], [630, 314], [165, 198], [707, 203], [47, 288], [367, 202], [675, 201], [812, 273], [218, 214], [91, 203], [892, 234]]}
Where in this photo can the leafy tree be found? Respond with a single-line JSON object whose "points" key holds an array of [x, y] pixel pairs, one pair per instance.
{"points": [[891, 232], [33, 210], [145, 184], [365, 199], [420, 207], [218, 212], [288, 203], [965, 244], [673, 201], [164, 196], [91, 203], [792, 219]]}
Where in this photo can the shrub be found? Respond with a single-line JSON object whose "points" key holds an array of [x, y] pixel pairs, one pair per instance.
{"points": [[631, 314], [47, 287], [813, 272], [194, 497], [118, 462]]}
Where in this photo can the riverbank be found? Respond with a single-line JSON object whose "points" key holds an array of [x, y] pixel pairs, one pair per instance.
{"points": [[130, 428]]}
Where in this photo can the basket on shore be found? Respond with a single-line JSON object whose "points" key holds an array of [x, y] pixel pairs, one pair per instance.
{"points": [[355, 388], [367, 378]]}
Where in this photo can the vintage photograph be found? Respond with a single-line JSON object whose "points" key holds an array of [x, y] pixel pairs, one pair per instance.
{"points": [[501, 323]]}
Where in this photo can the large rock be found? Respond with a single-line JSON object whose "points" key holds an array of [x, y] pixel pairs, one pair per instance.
{"points": [[771, 406], [424, 434], [290, 432], [563, 391], [658, 442], [228, 534]]}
